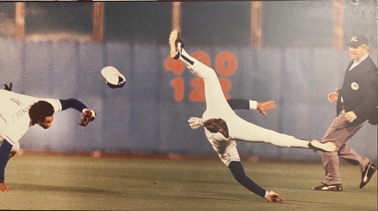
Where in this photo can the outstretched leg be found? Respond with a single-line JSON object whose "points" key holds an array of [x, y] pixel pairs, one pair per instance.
{"points": [[217, 106], [216, 102]]}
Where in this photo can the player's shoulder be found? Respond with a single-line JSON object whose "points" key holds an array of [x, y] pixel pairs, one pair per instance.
{"points": [[57, 105]]}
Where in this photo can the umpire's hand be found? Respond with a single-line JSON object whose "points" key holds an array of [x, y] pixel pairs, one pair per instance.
{"points": [[332, 97], [350, 116]]}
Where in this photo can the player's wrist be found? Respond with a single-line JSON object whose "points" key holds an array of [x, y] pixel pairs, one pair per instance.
{"points": [[252, 105], [266, 194], [92, 111]]}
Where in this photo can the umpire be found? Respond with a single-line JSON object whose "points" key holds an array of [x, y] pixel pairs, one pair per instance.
{"points": [[356, 105]]}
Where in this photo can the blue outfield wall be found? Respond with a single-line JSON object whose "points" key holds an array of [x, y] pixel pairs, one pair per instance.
{"points": [[143, 117]]}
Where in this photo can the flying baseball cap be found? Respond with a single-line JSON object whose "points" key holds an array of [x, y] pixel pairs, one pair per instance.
{"points": [[358, 40], [114, 79]]}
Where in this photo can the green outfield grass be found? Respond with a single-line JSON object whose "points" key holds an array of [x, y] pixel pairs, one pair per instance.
{"points": [[85, 183]]}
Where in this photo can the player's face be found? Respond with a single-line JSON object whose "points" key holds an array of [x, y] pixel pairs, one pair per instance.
{"points": [[357, 53], [46, 123]]}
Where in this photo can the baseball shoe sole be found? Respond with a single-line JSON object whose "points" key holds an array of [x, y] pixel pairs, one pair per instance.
{"points": [[176, 44], [324, 187], [367, 174], [327, 146]]}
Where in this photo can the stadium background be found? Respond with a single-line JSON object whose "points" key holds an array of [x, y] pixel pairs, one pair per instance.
{"points": [[297, 66]]}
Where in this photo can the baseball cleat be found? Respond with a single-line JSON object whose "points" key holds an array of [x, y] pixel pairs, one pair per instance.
{"points": [[176, 44], [325, 187], [367, 174], [327, 146]]}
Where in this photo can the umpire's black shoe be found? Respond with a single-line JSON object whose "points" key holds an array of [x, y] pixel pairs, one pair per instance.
{"points": [[367, 174], [324, 187]]}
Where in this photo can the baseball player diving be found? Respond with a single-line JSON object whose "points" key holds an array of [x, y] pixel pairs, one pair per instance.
{"points": [[223, 126], [19, 112]]}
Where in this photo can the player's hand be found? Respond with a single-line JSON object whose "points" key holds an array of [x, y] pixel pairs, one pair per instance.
{"points": [[263, 106], [350, 116], [9, 88], [332, 97], [3, 187], [87, 116], [273, 197]]}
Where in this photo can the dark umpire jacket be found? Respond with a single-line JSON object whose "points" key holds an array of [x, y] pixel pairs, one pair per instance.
{"points": [[359, 92]]}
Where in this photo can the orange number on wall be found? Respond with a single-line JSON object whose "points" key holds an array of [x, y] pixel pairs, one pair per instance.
{"points": [[226, 63], [202, 57], [178, 88], [176, 66], [198, 89], [226, 87], [197, 94]]}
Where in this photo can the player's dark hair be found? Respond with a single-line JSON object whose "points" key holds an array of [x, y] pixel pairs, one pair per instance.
{"points": [[40, 110]]}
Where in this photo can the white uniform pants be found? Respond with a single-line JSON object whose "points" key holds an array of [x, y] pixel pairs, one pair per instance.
{"points": [[239, 129]]}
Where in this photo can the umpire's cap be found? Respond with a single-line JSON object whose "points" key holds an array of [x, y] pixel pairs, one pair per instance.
{"points": [[358, 40], [114, 79]]}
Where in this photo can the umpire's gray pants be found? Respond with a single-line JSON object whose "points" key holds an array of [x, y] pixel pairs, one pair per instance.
{"points": [[340, 132]]}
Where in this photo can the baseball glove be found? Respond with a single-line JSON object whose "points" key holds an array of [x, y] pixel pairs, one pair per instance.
{"points": [[87, 116], [216, 125], [273, 197]]}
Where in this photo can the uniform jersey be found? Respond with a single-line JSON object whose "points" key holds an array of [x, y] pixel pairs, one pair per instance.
{"points": [[14, 114]]}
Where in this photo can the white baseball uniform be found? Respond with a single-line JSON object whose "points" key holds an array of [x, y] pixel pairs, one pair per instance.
{"points": [[14, 116], [240, 129]]}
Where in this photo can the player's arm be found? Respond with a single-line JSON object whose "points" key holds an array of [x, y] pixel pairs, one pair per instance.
{"points": [[72, 103], [88, 115], [195, 122], [237, 171], [242, 104], [251, 105], [5, 149]]}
